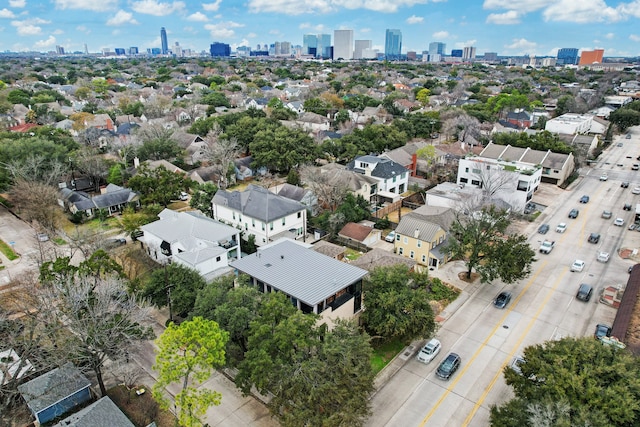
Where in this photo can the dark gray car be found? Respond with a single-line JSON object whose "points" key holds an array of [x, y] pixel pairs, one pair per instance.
{"points": [[448, 366]]}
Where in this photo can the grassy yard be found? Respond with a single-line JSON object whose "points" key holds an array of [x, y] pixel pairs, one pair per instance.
{"points": [[384, 353], [141, 410], [352, 254], [8, 251]]}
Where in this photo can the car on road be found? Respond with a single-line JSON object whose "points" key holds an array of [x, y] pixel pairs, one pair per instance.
{"points": [[594, 238], [619, 222], [574, 213], [603, 256], [502, 299], [584, 199], [626, 207], [602, 330], [429, 351], [577, 266], [606, 214], [390, 237], [636, 190], [448, 366], [543, 229], [628, 136], [625, 184], [584, 292], [604, 177], [515, 364], [635, 167], [561, 228], [546, 247], [620, 144]]}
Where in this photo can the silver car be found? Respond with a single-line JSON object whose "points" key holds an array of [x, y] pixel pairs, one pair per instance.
{"points": [[429, 351]]}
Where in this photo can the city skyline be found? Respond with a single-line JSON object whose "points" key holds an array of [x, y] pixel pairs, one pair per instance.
{"points": [[537, 27]]}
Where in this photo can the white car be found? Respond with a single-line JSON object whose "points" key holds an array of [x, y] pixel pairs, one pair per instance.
{"points": [[603, 256], [390, 237], [604, 177], [429, 351], [183, 196], [636, 190], [578, 265], [619, 222], [561, 228]]}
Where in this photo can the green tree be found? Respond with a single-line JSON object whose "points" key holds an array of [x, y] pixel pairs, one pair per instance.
{"points": [[158, 185], [281, 149], [572, 381], [159, 149], [481, 239], [176, 284], [423, 96], [188, 354], [397, 303], [201, 197], [624, 118]]}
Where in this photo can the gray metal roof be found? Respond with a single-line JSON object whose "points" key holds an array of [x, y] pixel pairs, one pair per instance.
{"points": [[298, 271], [258, 202], [412, 225], [57, 384], [103, 413]]}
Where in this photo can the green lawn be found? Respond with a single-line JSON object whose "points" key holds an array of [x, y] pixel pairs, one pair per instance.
{"points": [[8, 251], [384, 353]]}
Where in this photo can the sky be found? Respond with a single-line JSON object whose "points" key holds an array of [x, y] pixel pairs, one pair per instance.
{"points": [[508, 27]]}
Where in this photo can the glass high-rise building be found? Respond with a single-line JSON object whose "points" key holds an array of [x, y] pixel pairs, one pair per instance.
{"points": [[220, 49], [567, 56], [163, 41], [393, 45], [324, 46], [309, 41]]}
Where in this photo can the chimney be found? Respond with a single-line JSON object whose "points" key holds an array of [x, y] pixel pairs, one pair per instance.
{"points": [[416, 234]]}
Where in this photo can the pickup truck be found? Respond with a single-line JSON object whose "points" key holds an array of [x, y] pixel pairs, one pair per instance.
{"points": [[546, 247]]}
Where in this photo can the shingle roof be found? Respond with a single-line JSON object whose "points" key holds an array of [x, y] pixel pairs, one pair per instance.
{"points": [[57, 384], [258, 202], [380, 258], [327, 248], [357, 232], [298, 271], [292, 192], [103, 413], [384, 168]]}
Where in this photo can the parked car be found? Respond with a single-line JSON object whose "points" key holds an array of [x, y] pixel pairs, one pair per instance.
{"points": [[543, 229], [574, 213], [603, 256], [594, 238], [635, 167], [429, 351], [584, 292], [606, 214], [561, 228], [529, 208], [113, 243], [515, 364], [602, 331], [183, 196], [502, 299], [577, 266], [390, 237], [619, 222], [625, 184], [636, 190], [604, 177], [448, 366], [43, 237]]}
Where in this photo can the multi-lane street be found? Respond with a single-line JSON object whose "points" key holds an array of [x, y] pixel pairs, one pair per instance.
{"points": [[543, 307]]}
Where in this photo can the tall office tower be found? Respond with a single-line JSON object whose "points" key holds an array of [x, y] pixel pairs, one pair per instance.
{"points": [[568, 56], [491, 56], [437, 48], [133, 50], [59, 50], [588, 57], [220, 49], [86, 49], [412, 55], [163, 41], [177, 50], [324, 46], [343, 44], [309, 41], [276, 48], [469, 53], [119, 51], [361, 46], [456, 53], [393, 45], [285, 48]]}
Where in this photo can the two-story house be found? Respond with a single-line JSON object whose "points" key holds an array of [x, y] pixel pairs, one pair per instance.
{"points": [[192, 240], [315, 283], [393, 178], [259, 212]]}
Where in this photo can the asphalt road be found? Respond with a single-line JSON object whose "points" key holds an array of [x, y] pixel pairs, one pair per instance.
{"points": [[543, 306]]}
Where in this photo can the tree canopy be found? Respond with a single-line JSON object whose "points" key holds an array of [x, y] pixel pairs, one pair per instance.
{"points": [[177, 282], [158, 185]]}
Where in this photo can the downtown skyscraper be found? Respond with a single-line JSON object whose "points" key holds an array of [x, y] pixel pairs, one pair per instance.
{"points": [[163, 40], [393, 45], [343, 44]]}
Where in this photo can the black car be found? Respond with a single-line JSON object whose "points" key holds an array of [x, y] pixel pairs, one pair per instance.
{"points": [[626, 207], [584, 292], [584, 199], [448, 366], [594, 238], [602, 331], [625, 184], [543, 229], [574, 213], [502, 299]]}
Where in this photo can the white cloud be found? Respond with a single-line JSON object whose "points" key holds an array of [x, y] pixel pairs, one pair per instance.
{"points": [[197, 17], [522, 45], [582, 11], [508, 18], [299, 7], [122, 18], [413, 19], [211, 7], [6, 13], [83, 29], [634, 37], [17, 3], [223, 29], [460, 45], [26, 29], [609, 36], [155, 8], [523, 6], [50, 42], [252, 35], [317, 28], [365, 30], [58, 32], [96, 6], [440, 35]]}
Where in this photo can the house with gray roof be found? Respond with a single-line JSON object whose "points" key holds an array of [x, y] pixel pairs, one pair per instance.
{"points": [[113, 199], [262, 213], [55, 393], [193, 240], [299, 194], [315, 283], [393, 178], [101, 413]]}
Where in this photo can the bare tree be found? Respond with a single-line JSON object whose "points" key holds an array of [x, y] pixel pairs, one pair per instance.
{"points": [[457, 122], [36, 168], [221, 152], [494, 179], [37, 202], [329, 186], [90, 162], [158, 107]]}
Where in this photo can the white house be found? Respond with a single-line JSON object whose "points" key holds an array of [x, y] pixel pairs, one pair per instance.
{"points": [[569, 123], [193, 240], [393, 178], [259, 212]]}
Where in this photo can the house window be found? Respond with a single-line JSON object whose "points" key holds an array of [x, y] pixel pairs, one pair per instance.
{"points": [[283, 220], [397, 237], [434, 244], [464, 180], [299, 214], [400, 250], [424, 258], [475, 170], [394, 179], [271, 226], [475, 182], [411, 254], [406, 239], [239, 218], [488, 167], [253, 223], [466, 170], [246, 226], [262, 223], [234, 216], [217, 259], [419, 243]]}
